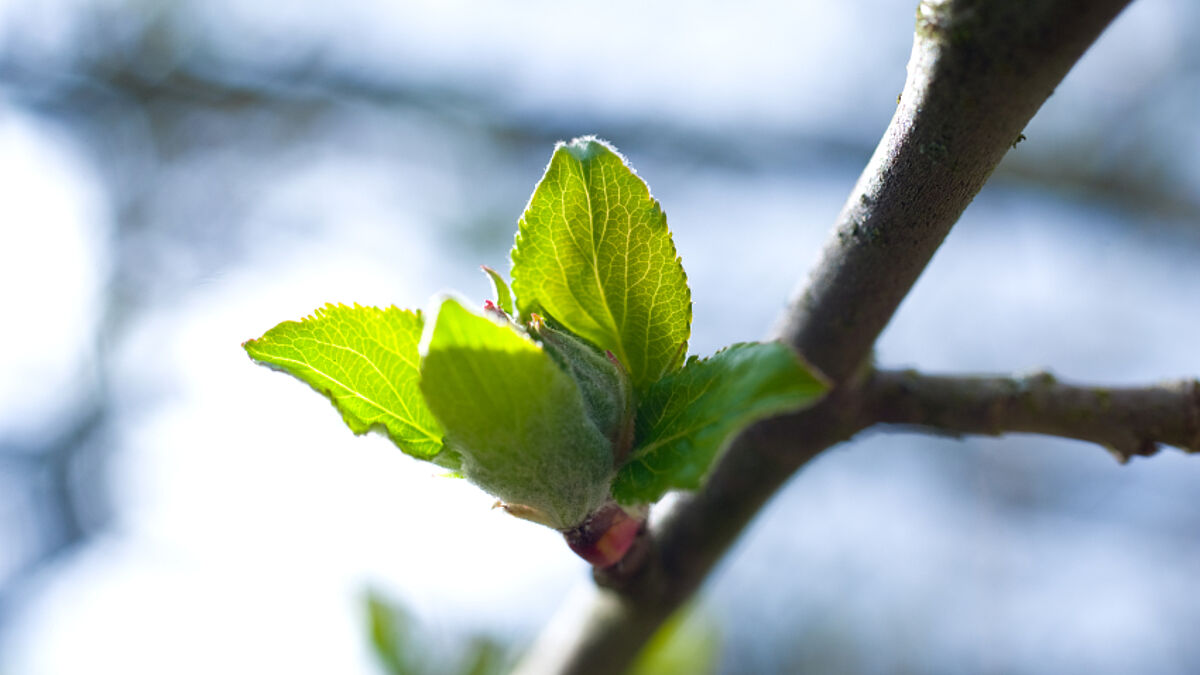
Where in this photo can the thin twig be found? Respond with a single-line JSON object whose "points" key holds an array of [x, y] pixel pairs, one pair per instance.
{"points": [[1126, 421], [979, 71]]}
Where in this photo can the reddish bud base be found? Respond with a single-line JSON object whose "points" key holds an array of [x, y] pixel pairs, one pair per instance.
{"points": [[605, 537]]}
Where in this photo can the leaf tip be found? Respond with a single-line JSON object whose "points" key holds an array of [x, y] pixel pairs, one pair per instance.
{"points": [[500, 289], [254, 348], [586, 147]]}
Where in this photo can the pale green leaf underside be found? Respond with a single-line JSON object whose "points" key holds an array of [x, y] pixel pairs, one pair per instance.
{"points": [[594, 252], [685, 420], [365, 360], [517, 419]]}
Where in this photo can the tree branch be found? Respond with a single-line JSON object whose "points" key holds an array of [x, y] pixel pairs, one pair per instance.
{"points": [[1126, 421], [978, 72]]}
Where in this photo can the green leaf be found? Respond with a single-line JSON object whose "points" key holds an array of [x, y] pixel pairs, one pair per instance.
{"points": [[503, 295], [365, 360], [685, 420], [517, 419], [390, 630], [484, 656], [402, 646], [607, 392], [686, 644], [593, 251]]}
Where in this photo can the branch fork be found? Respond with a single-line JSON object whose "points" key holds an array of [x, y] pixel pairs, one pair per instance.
{"points": [[979, 71]]}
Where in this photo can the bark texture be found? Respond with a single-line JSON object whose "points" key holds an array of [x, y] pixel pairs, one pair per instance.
{"points": [[978, 72], [1127, 421]]}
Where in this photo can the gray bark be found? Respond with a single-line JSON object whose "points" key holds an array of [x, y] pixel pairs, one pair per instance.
{"points": [[978, 72], [1127, 421]]}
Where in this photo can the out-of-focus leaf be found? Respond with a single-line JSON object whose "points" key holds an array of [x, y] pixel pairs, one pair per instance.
{"points": [[484, 656], [686, 644], [391, 637], [401, 649]]}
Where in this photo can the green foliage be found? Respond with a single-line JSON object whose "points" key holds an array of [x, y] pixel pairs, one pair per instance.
{"points": [[400, 648], [685, 419], [593, 251], [507, 408], [568, 391], [503, 296], [365, 360], [605, 385], [389, 628], [686, 644]]}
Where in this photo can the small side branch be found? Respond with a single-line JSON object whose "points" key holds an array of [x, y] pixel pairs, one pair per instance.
{"points": [[979, 71], [1127, 421]]}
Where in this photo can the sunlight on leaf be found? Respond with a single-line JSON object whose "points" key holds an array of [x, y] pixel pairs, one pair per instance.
{"points": [[365, 360], [503, 295], [515, 416], [593, 251]]}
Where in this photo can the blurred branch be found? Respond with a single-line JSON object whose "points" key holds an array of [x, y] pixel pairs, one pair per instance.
{"points": [[1126, 421], [979, 71], [51, 469], [312, 85]]}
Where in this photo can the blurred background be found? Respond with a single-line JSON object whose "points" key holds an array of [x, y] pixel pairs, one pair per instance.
{"points": [[177, 177]]}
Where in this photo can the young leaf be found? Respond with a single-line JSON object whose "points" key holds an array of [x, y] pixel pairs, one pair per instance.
{"points": [[607, 392], [515, 416], [365, 360], [685, 420], [503, 295], [593, 251]]}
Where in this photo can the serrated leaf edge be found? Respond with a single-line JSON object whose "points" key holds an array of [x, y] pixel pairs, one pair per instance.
{"points": [[669, 367], [379, 427]]}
